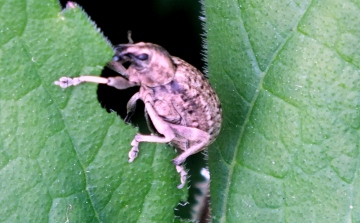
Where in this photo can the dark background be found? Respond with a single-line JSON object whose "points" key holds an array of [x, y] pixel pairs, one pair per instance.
{"points": [[173, 24]]}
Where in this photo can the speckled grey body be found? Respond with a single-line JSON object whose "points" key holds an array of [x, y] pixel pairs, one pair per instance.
{"points": [[180, 102]]}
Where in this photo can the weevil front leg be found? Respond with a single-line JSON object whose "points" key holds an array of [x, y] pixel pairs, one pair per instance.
{"points": [[118, 82], [117, 67]]}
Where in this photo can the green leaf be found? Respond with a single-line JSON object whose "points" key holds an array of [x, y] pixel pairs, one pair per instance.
{"points": [[287, 73], [63, 157]]}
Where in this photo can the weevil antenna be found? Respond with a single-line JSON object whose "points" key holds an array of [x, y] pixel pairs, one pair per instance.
{"points": [[129, 37]]}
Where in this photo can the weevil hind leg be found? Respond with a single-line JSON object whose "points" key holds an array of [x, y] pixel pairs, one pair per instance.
{"points": [[194, 135], [183, 175], [179, 162]]}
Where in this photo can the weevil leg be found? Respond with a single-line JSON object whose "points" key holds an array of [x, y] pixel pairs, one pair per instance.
{"points": [[193, 134], [116, 82], [65, 82], [133, 153], [161, 126], [117, 67], [131, 106], [192, 150], [183, 175], [168, 131], [146, 138]]}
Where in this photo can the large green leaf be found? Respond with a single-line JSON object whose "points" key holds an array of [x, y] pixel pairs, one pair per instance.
{"points": [[63, 157], [287, 73]]}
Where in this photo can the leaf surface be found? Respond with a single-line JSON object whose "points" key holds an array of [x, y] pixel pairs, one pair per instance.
{"points": [[287, 73], [63, 157]]}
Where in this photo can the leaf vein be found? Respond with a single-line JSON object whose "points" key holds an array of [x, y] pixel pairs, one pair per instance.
{"points": [[102, 142], [242, 131], [73, 147], [248, 42], [148, 191]]}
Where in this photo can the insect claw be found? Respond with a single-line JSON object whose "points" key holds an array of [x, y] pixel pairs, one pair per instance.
{"points": [[180, 186], [183, 174], [65, 82]]}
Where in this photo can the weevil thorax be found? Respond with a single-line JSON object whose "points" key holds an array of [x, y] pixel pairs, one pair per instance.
{"points": [[151, 65]]}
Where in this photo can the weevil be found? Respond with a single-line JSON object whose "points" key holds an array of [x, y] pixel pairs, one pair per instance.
{"points": [[179, 100]]}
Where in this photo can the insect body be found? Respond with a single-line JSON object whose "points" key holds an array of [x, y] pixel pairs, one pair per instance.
{"points": [[179, 100]]}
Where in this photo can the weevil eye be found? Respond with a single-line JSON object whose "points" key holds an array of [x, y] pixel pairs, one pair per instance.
{"points": [[143, 56]]}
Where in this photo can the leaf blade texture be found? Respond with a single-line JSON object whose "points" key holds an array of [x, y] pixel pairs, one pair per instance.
{"points": [[63, 157], [287, 75]]}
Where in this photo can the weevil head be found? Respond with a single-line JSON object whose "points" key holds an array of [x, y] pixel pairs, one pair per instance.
{"points": [[151, 63]]}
